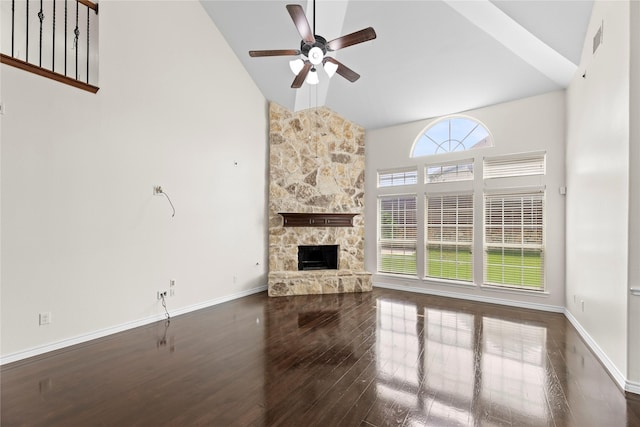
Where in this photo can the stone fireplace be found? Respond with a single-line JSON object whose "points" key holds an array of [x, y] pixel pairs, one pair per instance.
{"points": [[316, 199]]}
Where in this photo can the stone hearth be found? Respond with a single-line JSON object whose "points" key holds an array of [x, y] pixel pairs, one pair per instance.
{"points": [[316, 166]]}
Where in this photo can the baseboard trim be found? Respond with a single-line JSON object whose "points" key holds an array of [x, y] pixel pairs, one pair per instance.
{"points": [[217, 301], [632, 387], [615, 373], [477, 298], [58, 345]]}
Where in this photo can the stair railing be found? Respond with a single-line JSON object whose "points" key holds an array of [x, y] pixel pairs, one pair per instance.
{"points": [[57, 39]]}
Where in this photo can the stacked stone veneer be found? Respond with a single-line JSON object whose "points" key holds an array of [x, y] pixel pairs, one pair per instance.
{"points": [[316, 166]]}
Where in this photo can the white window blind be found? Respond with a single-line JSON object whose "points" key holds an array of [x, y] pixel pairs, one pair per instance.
{"points": [[449, 231], [397, 178], [510, 166], [449, 172], [397, 228], [514, 240]]}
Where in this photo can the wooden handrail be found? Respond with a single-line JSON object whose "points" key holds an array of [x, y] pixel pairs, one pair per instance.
{"points": [[89, 4], [5, 59]]}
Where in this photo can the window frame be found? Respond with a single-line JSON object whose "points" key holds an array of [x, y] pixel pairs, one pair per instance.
{"points": [[454, 163], [397, 247], [511, 247], [394, 172], [417, 142], [471, 180], [457, 263]]}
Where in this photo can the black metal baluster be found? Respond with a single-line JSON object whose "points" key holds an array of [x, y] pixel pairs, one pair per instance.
{"points": [[76, 31], [53, 55], [13, 24], [88, 13], [41, 18], [65, 37], [26, 53]]}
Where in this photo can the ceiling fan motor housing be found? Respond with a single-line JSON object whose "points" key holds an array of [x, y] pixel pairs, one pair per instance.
{"points": [[320, 43]]}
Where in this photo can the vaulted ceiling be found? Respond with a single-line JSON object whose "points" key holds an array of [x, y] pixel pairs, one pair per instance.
{"points": [[430, 58]]}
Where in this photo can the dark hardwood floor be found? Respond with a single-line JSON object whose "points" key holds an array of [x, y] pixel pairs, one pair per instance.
{"points": [[384, 358]]}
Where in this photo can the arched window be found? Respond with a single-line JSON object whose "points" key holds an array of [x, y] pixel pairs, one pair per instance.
{"points": [[450, 134]]}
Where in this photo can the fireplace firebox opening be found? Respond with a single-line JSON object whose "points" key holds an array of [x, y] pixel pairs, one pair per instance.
{"points": [[320, 257]]}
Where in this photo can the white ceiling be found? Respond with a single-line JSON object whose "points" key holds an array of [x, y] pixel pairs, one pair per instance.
{"points": [[430, 58]]}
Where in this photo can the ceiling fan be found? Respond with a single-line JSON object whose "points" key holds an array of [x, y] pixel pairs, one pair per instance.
{"points": [[315, 49]]}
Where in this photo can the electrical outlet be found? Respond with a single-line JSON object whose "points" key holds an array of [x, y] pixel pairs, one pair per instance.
{"points": [[161, 294], [172, 283], [45, 318], [157, 190]]}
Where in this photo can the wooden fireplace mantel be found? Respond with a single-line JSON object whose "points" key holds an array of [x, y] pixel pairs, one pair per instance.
{"points": [[317, 219]]}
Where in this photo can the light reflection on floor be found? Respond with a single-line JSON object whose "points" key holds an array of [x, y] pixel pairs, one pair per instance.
{"points": [[426, 363]]}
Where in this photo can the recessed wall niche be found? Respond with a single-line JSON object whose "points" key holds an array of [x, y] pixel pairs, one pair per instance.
{"points": [[316, 165]]}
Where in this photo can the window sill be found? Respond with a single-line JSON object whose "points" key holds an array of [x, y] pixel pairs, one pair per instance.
{"points": [[466, 285], [516, 291], [397, 276], [445, 282]]}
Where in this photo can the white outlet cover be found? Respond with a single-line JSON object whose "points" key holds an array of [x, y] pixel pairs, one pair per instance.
{"points": [[45, 318]]}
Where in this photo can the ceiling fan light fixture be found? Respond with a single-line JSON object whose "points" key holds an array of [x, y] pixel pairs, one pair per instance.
{"points": [[312, 77], [296, 65], [315, 55], [330, 68]]}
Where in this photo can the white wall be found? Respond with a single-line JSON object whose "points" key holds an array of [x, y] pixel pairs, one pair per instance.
{"points": [[82, 235], [598, 185], [634, 201], [531, 124]]}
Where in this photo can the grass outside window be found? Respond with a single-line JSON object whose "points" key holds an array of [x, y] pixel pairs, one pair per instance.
{"points": [[522, 269], [450, 263], [398, 263], [518, 268]]}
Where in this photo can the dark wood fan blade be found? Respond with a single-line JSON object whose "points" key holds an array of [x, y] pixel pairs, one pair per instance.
{"points": [[297, 82], [343, 70], [301, 22], [351, 39], [276, 52]]}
